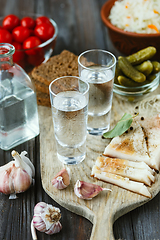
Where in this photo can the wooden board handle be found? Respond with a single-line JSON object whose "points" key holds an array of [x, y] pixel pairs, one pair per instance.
{"points": [[103, 226]]}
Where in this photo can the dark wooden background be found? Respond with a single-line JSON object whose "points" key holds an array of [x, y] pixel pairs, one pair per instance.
{"points": [[80, 28]]}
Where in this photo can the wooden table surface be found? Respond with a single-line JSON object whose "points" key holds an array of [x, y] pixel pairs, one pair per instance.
{"points": [[80, 28]]}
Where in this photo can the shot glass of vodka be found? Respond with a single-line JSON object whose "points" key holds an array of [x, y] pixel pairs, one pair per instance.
{"points": [[69, 103], [97, 67]]}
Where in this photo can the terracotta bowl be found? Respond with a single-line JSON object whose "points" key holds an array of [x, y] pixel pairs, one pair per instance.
{"points": [[128, 42]]}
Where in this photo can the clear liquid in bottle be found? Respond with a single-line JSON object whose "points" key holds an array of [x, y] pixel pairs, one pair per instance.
{"points": [[18, 105]]}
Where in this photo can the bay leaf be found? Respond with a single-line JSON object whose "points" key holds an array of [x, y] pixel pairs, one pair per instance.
{"points": [[122, 125]]}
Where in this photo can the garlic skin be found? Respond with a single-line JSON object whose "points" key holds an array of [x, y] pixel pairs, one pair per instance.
{"points": [[86, 190], [62, 179], [16, 176], [46, 219]]}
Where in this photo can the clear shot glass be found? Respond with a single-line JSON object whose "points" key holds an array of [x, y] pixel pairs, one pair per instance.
{"points": [[97, 67], [69, 103]]}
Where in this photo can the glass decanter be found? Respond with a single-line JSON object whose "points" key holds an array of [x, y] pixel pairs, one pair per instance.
{"points": [[18, 105]]}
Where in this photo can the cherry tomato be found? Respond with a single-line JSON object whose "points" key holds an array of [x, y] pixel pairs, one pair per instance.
{"points": [[10, 21], [28, 22], [31, 42], [5, 36], [32, 32], [44, 31], [20, 33], [42, 19], [36, 59], [19, 52]]}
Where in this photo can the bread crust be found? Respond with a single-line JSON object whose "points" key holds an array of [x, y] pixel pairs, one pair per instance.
{"points": [[63, 64]]}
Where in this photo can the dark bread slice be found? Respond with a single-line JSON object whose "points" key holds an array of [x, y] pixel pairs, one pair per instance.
{"points": [[42, 92], [64, 64], [43, 99], [40, 87]]}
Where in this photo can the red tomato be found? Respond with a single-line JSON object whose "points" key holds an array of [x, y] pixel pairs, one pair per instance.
{"points": [[44, 31], [20, 33], [28, 22], [32, 32], [5, 36], [31, 42], [36, 59], [18, 55], [42, 19], [10, 21]]}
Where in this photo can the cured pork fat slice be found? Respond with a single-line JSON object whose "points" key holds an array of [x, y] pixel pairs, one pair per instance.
{"points": [[151, 129], [140, 143], [136, 171], [120, 172]]}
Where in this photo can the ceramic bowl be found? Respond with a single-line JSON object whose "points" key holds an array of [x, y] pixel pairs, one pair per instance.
{"points": [[128, 42], [134, 94]]}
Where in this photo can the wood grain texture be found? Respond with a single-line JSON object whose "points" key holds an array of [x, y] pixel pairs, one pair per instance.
{"points": [[72, 17], [104, 209]]}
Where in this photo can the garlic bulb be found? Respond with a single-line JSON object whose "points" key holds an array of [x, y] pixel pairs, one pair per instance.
{"points": [[62, 179], [16, 176], [46, 219], [86, 190]]}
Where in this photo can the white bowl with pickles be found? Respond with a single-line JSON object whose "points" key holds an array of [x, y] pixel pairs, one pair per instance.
{"points": [[137, 75]]}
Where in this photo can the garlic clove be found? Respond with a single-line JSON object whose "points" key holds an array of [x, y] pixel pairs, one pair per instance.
{"points": [[46, 219], [55, 228], [40, 207], [28, 161], [16, 176], [62, 179], [19, 162], [6, 185], [86, 190], [22, 174]]}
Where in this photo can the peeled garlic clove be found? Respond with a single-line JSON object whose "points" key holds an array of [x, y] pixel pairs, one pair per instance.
{"points": [[62, 179], [46, 219], [86, 190], [16, 176]]}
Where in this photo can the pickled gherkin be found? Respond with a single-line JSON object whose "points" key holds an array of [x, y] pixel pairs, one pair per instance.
{"points": [[124, 81], [137, 69], [142, 55], [156, 66], [146, 67], [130, 71], [117, 73], [150, 78]]}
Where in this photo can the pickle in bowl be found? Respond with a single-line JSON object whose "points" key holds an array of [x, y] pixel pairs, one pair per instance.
{"points": [[137, 75]]}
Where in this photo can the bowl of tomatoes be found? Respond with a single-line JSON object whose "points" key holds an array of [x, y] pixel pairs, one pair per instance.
{"points": [[33, 36]]}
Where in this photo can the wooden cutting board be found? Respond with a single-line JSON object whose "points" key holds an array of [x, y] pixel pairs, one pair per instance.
{"points": [[104, 209]]}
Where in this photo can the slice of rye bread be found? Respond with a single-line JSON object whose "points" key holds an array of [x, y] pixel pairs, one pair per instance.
{"points": [[64, 64], [42, 92], [40, 87], [43, 99]]}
